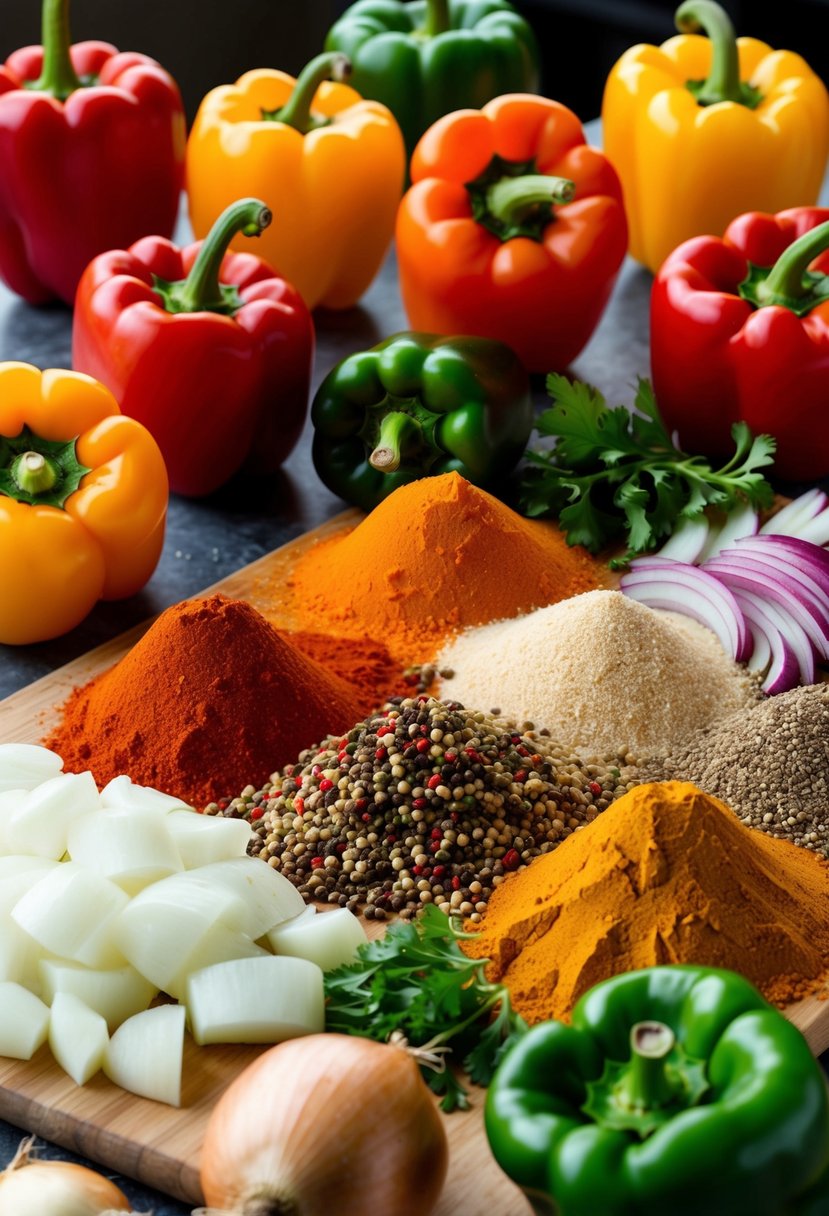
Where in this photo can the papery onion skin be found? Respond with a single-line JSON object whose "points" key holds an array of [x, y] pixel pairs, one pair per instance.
{"points": [[56, 1188], [326, 1124]]}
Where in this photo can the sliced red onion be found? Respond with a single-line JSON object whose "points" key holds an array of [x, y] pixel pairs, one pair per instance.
{"points": [[788, 520], [743, 521], [793, 659], [687, 541], [691, 591], [802, 552], [744, 570], [761, 656]]}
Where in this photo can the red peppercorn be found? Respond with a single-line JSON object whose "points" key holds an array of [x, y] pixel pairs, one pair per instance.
{"points": [[511, 859], [595, 788], [326, 784], [423, 745], [316, 862], [473, 755], [523, 751], [438, 871], [417, 870], [456, 883], [434, 781], [361, 804], [437, 834], [366, 818], [257, 813], [380, 754], [450, 757], [420, 803], [521, 775], [299, 805]]}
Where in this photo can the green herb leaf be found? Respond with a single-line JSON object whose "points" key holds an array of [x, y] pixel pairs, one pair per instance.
{"points": [[418, 981], [616, 474]]}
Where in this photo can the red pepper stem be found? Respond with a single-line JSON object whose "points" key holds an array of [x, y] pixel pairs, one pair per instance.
{"points": [[646, 1085], [512, 198], [34, 473], [296, 112], [57, 77], [785, 281], [398, 432], [723, 81], [438, 20], [201, 290]]}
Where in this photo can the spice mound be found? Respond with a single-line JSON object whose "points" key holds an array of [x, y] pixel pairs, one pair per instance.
{"points": [[209, 698], [667, 875], [771, 765], [436, 556], [422, 803], [599, 671]]}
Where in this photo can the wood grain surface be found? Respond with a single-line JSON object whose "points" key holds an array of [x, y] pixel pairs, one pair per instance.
{"points": [[157, 1144]]}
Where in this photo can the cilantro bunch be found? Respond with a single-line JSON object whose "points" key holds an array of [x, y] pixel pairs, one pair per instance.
{"points": [[417, 981], [616, 474]]}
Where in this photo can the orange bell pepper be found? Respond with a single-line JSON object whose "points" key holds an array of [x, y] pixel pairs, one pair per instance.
{"points": [[328, 164], [83, 501], [513, 229]]}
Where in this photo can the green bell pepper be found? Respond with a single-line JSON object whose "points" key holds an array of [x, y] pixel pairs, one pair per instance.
{"points": [[427, 58], [676, 1091], [417, 405]]}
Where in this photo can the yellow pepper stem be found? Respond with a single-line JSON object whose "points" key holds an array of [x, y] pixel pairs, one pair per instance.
{"points": [[296, 112], [723, 81], [58, 76], [34, 473]]}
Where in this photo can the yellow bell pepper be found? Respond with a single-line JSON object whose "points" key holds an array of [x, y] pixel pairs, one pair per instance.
{"points": [[328, 164], [83, 501], [701, 130]]}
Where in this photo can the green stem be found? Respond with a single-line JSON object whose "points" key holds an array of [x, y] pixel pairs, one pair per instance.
{"points": [[511, 199], [646, 1084], [437, 18], [786, 281], [58, 77], [723, 82], [34, 473], [296, 112], [398, 432], [201, 291]]}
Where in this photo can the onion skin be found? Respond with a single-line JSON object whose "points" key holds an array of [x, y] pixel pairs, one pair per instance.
{"points": [[56, 1188], [326, 1124]]}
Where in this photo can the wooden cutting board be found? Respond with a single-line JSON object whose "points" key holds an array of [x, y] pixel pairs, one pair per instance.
{"points": [[157, 1144]]}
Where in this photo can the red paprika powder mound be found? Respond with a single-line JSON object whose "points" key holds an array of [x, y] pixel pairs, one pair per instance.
{"points": [[210, 699]]}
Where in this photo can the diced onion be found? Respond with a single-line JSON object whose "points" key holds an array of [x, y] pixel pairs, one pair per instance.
{"points": [[256, 1000], [145, 1054]]}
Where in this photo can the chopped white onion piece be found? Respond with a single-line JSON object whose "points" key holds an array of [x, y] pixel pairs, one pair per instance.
{"points": [[129, 847], [122, 793], [71, 912], [220, 945], [10, 801], [329, 940], [267, 897], [17, 878], [203, 839], [78, 1037], [742, 521], [24, 1021], [256, 1000], [687, 540], [40, 824], [115, 994], [797, 512], [693, 592], [145, 1054], [20, 956], [25, 765]]}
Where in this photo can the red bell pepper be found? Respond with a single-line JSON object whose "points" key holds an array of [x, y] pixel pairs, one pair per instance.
{"points": [[210, 350], [740, 330], [91, 157], [514, 229]]}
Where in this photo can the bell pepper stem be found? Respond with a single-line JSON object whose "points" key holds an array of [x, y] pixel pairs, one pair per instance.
{"points": [[786, 279], [34, 473], [512, 198], [296, 112], [57, 77], [398, 431], [723, 81], [437, 18], [201, 290], [646, 1085]]}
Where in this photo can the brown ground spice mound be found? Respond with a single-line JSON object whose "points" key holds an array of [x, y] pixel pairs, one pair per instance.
{"points": [[667, 874]]}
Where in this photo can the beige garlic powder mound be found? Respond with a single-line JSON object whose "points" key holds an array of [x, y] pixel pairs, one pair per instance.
{"points": [[604, 674]]}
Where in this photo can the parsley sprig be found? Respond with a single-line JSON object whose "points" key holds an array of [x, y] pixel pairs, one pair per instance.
{"points": [[417, 980], [616, 474]]}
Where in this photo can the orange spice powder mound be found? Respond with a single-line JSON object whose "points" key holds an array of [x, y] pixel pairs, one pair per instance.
{"points": [[433, 558], [667, 874]]}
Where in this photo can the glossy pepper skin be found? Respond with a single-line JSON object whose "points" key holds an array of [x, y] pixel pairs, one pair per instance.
{"points": [[91, 157], [426, 58], [211, 351], [328, 163], [757, 141], [721, 353], [487, 241], [727, 1115], [418, 405], [83, 501]]}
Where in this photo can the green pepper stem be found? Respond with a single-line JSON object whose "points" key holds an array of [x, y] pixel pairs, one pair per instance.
{"points": [[512, 198], [57, 76], [786, 279], [296, 112], [437, 18], [397, 432], [646, 1085], [201, 291], [34, 473], [723, 81]]}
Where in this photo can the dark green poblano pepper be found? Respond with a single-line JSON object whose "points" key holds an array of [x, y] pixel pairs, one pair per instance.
{"points": [[676, 1091], [417, 405]]}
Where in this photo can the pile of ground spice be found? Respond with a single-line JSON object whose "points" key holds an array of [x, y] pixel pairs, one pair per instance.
{"points": [[434, 557], [422, 803], [209, 698], [770, 764], [667, 875], [599, 671]]}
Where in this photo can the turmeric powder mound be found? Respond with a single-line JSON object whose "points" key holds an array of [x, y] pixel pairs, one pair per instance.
{"points": [[667, 874], [434, 557]]}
